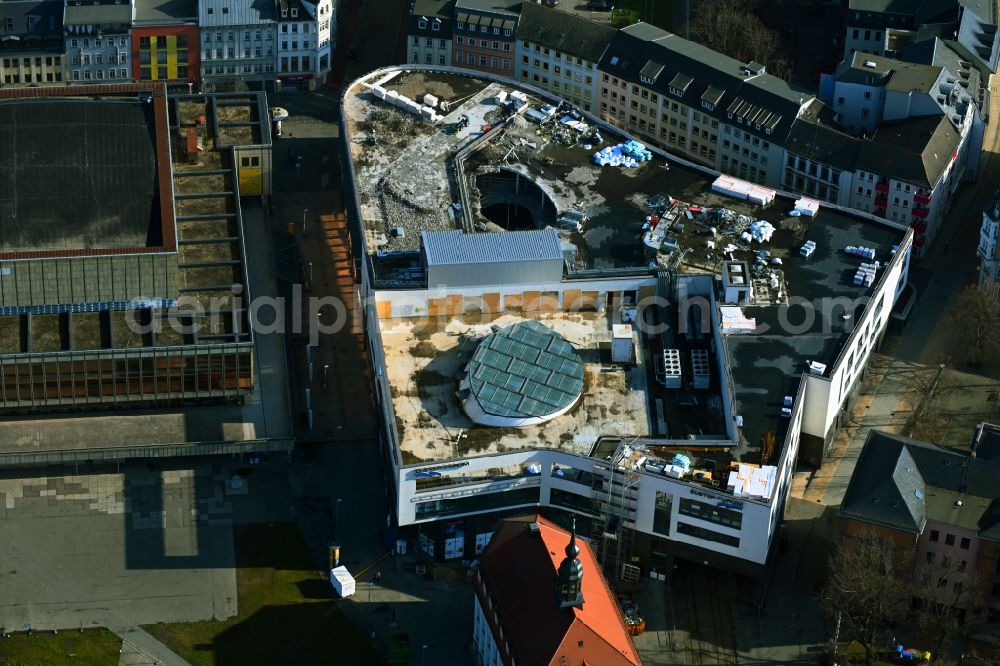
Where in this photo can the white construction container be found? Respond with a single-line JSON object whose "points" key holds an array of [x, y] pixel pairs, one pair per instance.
{"points": [[427, 113], [622, 346], [379, 92], [392, 97], [430, 100], [342, 581]]}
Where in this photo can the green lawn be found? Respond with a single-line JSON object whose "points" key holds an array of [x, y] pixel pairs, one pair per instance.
{"points": [[93, 647], [286, 613]]}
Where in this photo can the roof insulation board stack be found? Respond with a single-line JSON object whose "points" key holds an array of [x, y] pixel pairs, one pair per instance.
{"points": [[807, 207], [741, 189], [700, 373], [672, 368], [752, 481]]}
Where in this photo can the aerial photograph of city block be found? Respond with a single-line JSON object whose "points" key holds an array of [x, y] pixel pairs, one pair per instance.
{"points": [[499, 332]]}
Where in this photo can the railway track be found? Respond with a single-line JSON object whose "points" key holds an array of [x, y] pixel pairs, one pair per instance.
{"points": [[701, 598]]}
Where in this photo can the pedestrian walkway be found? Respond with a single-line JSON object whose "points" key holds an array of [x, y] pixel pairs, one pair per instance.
{"points": [[139, 647]]}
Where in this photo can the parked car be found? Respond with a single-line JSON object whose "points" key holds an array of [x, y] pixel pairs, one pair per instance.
{"points": [[601, 5]]}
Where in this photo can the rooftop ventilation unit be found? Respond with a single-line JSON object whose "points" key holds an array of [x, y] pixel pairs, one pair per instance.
{"points": [[700, 371], [870, 64], [672, 368]]}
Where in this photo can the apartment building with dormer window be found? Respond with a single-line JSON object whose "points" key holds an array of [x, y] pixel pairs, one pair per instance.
{"points": [[696, 103], [484, 35], [429, 32], [98, 44], [558, 51], [302, 28]]}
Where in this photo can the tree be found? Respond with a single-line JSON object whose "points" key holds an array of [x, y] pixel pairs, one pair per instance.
{"points": [[731, 27], [976, 319], [863, 587], [927, 391], [942, 600]]}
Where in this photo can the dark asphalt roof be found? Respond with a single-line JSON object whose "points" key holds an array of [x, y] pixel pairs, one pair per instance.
{"points": [[77, 174], [435, 12], [766, 101], [47, 16], [886, 487], [915, 151], [816, 135], [977, 35], [900, 483], [767, 365], [563, 31], [165, 11], [91, 14], [898, 76], [493, 6]]}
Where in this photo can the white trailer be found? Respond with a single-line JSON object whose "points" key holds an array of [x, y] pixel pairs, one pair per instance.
{"points": [[342, 581]]}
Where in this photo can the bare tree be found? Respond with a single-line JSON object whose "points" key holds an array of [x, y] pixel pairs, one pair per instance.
{"points": [[863, 587], [732, 28], [943, 600], [976, 319], [927, 388]]}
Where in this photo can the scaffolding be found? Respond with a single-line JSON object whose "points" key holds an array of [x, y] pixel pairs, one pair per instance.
{"points": [[616, 499]]}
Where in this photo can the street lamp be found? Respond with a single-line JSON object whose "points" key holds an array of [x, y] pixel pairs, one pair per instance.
{"points": [[304, 212], [423, 654], [336, 529]]}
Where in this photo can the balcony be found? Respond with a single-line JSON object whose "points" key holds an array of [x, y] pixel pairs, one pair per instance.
{"points": [[924, 199], [920, 212], [880, 212], [881, 199], [882, 186], [919, 226]]}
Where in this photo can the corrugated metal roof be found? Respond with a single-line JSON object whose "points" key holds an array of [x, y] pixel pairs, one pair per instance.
{"points": [[456, 247]]}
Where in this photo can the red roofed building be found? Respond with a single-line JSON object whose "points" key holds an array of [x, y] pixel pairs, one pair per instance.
{"points": [[541, 599]]}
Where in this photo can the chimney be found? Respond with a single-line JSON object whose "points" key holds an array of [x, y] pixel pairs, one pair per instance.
{"points": [[569, 594]]}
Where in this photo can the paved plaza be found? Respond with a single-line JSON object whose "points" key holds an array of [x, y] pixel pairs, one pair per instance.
{"points": [[133, 547]]}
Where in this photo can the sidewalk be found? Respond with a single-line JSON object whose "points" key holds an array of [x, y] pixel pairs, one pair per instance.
{"points": [[138, 647]]}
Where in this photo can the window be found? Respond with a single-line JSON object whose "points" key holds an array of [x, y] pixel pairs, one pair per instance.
{"points": [[949, 539], [962, 564], [964, 544], [711, 512], [435, 26], [930, 557], [945, 561], [422, 25], [707, 535]]}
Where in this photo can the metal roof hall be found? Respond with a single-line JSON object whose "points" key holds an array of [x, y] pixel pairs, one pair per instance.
{"points": [[444, 248]]}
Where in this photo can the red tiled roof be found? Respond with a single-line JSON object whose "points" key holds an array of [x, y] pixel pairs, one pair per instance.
{"points": [[519, 568]]}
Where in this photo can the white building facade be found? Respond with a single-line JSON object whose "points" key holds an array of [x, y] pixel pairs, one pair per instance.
{"points": [[304, 42], [989, 233], [238, 42]]}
